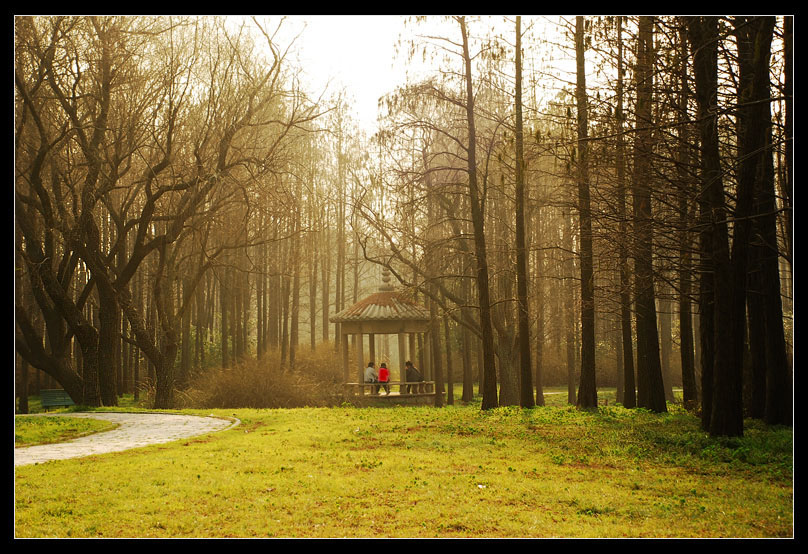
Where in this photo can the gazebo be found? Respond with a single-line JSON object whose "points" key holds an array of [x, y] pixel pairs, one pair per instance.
{"points": [[385, 312]]}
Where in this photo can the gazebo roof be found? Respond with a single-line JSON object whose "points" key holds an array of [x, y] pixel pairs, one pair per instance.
{"points": [[382, 306], [385, 305]]}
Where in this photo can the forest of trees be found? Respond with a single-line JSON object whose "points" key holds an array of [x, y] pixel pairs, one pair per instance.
{"points": [[585, 202]]}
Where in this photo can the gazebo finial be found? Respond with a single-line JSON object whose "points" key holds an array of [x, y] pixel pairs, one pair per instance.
{"points": [[386, 286]]}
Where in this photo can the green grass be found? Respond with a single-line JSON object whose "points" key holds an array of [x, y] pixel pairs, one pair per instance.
{"points": [[33, 430], [425, 472]]}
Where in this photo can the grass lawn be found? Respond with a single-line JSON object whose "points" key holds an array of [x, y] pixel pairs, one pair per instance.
{"points": [[425, 472], [33, 430]]}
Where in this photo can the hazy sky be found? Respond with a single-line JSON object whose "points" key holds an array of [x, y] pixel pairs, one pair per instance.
{"points": [[354, 51], [357, 53]]}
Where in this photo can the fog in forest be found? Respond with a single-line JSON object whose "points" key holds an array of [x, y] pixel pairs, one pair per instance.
{"points": [[576, 202]]}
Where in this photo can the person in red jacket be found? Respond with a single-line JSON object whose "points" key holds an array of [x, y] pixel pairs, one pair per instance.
{"points": [[384, 377]]}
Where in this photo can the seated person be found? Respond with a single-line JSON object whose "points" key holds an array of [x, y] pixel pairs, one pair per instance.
{"points": [[412, 375], [384, 377], [371, 377]]}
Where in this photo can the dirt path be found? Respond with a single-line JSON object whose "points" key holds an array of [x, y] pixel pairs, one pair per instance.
{"points": [[133, 431]]}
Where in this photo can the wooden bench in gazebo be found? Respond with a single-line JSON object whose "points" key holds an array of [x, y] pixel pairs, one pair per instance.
{"points": [[385, 312]]}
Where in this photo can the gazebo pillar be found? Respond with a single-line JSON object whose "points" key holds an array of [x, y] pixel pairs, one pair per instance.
{"points": [[345, 359], [427, 356], [411, 352], [419, 353], [360, 362], [372, 348], [354, 347], [401, 359]]}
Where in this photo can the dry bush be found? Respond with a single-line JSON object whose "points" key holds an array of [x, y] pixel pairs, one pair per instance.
{"points": [[315, 381]]}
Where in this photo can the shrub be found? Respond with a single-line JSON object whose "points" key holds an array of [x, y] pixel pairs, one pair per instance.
{"points": [[314, 381]]}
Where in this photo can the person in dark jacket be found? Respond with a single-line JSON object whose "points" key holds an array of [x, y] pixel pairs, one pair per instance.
{"points": [[412, 375]]}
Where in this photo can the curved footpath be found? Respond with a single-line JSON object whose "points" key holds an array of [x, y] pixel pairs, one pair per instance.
{"points": [[134, 430]]}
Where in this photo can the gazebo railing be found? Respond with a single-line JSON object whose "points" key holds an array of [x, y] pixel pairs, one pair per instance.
{"points": [[417, 388]]}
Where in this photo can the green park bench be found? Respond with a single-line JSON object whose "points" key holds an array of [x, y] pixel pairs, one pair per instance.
{"points": [[55, 398]]}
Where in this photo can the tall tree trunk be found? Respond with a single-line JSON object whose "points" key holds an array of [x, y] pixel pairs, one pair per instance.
{"points": [[294, 331], [730, 268], [754, 377], [165, 373], [122, 347], [286, 290], [274, 291], [629, 391], [468, 341], [504, 313], [235, 314], [755, 386], [245, 315], [265, 298], [728, 273], [449, 362], [569, 309], [325, 268], [683, 162], [339, 301], [125, 358], [260, 347], [477, 217], [788, 69], [138, 299], [109, 317], [686, 346], [650, 387], [526, 367], [185, 352], [757, 175], [22, 387], [587, 391], [224, 305], [618, 355], [313, 254], [539, 314], [666, 341], [436, 365]]}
